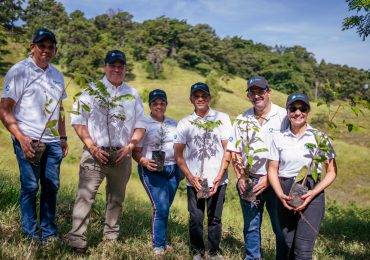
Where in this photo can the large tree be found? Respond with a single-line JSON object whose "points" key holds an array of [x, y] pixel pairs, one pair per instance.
{"points": [[44, 13], [10, 11], [361, 20]]}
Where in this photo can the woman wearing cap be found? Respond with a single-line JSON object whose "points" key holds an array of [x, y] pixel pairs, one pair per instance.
{"points": [[289, 152], [161, 186]]}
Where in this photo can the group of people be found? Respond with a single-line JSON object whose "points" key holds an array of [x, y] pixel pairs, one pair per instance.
{"points": [[199, 147]]}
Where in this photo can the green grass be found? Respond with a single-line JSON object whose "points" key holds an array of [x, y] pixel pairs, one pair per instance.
{"points": [[344, 233]]}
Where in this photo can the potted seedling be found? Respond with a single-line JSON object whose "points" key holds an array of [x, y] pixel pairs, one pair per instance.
{"points": [[205, 143], [37, 145], [109, 106], [159, 155], [318, 152], [247, 127]]}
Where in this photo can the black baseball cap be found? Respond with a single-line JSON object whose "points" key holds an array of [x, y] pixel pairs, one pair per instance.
{"points": [[43, 33], [157, 93], [297, 97], [257, 81], [114, 55], [199, 86]]}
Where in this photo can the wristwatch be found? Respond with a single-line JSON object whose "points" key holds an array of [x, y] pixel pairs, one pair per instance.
{"points": [[63, 138]]}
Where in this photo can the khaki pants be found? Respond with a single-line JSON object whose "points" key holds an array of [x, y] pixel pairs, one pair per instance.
{"points": [[91, 176]]}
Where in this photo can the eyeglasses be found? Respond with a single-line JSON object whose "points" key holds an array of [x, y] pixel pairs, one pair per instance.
{"points": [[303, 109], [259, 92], [204, 96], [43, 46]]}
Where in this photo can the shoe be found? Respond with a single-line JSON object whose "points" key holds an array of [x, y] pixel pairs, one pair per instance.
{"points": [[169, 249], [215, 257], [159, 252], [197, 257]]}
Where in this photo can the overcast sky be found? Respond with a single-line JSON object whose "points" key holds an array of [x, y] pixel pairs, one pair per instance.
{"points": [[314, 24]]}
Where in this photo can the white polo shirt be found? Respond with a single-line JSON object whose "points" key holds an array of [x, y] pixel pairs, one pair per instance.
{"points": [[275, 122], [292, 153], [31, 88], [151, 139], [193, 137], [120, 131]]}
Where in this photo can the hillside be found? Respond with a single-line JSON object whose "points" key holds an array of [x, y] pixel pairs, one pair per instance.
{"points": [[352, 185]]}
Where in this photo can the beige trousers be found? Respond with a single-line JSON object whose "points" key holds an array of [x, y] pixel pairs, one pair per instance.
{"points": [[91, 176]]}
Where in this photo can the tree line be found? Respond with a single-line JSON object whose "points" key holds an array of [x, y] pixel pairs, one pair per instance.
{"points": [[82, 43]]}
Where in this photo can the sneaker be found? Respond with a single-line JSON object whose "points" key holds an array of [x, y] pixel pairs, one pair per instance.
{"points": [[197, 257], [169, 249], [159, 251]]}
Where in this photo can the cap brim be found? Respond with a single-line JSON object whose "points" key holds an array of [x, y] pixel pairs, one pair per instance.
{"points": [[298, 99], [111, 61], [40, 38], [258, 84]]}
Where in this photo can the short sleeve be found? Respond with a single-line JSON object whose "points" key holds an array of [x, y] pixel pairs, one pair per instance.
{"points": [[180, 137], [140, 121], [79, 115], [274, 150], [14, 83], [226, 128], [234, 137]]}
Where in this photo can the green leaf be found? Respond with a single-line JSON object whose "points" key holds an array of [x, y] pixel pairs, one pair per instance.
{"points": [[261, 150], [357, 110], [315, 174], [250, 160], [237, 143], [54, 131], [310, 146], [74, 112], [51, 123], [302, 173], [320, 102], [50, 101], [86, 107], [247, 149]]}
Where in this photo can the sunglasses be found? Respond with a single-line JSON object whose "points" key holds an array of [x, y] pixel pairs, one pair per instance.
{"points": [[201, 96], [43, 46], [303, 109]]}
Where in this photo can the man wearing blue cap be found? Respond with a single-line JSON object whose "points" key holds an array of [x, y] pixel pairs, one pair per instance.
{"points": [[199, 153], [124, 129], [260, 123], [30, 85]]}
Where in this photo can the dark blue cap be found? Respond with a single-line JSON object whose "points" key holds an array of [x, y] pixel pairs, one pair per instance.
{"points": [[157, 93], [43, 33], [257, 81], [199, 86], [114, 55], [297, 97]]}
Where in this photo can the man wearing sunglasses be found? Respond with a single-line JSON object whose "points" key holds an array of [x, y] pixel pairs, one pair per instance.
{"points": [[32, 89], [258, 123]]}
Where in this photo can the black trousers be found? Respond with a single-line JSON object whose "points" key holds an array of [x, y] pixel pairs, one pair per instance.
{"points": [[299, 232], [214, 211]]}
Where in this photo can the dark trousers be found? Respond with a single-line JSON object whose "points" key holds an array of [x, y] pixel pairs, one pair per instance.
{"points": [[300, 233], [214, 211]]}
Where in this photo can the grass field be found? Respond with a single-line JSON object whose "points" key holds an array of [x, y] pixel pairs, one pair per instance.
{"points": [[344, 233]]}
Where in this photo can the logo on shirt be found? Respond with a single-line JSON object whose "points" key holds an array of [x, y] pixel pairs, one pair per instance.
{"points": [[7, 88], [175, 136], [271, 130], [231, 139]]}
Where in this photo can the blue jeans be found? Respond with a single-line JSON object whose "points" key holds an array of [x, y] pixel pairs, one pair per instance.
{"points": [[252, 216], [161, 192], [47, 174]]}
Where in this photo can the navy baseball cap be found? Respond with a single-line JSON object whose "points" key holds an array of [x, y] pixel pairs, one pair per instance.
{"points": [[43, 33], [157, 93], [199, 86], [114, 55], [257, 81], [297, 97]]}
